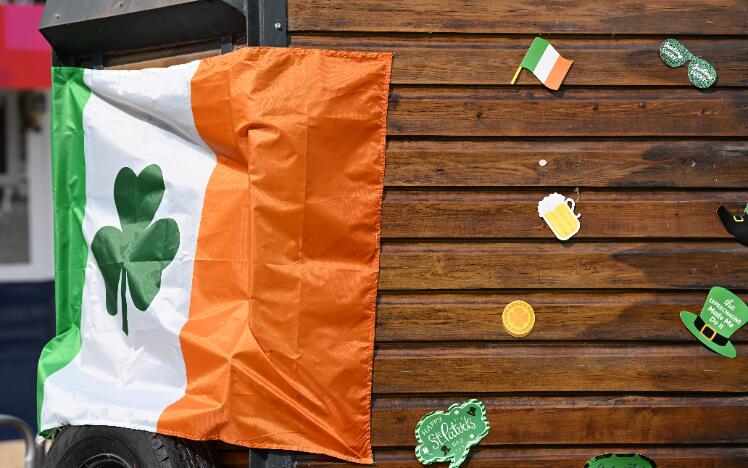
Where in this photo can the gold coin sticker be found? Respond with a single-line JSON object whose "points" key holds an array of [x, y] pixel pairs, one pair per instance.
{"points": [[518, 318]]}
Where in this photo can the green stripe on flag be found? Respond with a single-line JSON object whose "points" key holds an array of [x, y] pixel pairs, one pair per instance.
{"points": [[532, 57], [69, 97]]}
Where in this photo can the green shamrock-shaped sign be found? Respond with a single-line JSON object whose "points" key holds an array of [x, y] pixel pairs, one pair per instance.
{"points": [[447, 436], [136, 255], [617, 460]]}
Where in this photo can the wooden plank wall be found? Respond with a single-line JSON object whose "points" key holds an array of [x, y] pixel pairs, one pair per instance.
{"points": [[648, 157]]}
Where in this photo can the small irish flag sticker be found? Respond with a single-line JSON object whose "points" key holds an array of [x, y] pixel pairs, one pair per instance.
{"points": [[545, 63]]}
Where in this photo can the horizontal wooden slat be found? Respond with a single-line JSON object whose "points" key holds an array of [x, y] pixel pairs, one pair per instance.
{"points": [[572, 112], [535, 17], [607, 163], [485, 61], [554, 264], [233, 456], [585, 419], [515, 214], [665, 457], [567, 315], [483, 368], [141, 61], [489, 61]]}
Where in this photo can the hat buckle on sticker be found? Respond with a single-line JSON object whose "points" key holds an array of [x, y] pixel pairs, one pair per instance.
{"points": [[714, 332]]}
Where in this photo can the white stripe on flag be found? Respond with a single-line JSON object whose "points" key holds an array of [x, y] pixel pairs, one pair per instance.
{"points": [[134, 119], [546, 63]]}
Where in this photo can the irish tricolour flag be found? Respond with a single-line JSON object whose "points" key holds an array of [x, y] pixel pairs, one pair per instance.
{"points": [[217, 248], [545, 63]]}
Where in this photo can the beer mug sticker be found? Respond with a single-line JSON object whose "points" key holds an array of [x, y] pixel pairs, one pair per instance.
{"points": [[558, 213]]}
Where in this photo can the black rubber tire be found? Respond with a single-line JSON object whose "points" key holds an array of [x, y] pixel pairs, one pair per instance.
{"points": [[79, 446]]}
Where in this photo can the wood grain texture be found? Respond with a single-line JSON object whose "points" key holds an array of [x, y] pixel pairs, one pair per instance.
{"points": [[528, 265], [474, 368], [513, 111], [486, 61], [560, 315], [586, 420], [665, 17], [609, 367], [139, 62], [458, 214], [665, 457], [429, 60], [570, 163]]}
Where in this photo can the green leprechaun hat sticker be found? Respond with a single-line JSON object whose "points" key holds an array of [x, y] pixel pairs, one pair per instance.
{"points": [[723, 314], [446, 436], [618, 460]]}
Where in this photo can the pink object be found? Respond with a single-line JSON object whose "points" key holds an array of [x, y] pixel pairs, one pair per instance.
{"points": [[22, 27], [25, 57]]}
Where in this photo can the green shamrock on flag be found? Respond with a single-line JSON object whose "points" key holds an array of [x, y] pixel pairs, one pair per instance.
{"points": [[137, 255]]}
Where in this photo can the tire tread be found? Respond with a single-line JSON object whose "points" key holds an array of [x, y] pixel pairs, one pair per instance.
{"points": [[153, 450]]}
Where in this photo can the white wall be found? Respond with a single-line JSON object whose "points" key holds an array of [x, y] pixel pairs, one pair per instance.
{"points": [[41, 266]]}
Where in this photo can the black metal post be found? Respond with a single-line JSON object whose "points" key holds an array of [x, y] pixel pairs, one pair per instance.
{"points": [[267, 22]]}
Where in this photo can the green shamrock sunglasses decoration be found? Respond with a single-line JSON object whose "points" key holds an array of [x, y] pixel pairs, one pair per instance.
{"points": [[701, 73]]}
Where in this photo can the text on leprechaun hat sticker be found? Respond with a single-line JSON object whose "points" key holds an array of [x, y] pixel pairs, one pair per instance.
{"points": [[723, 314]]}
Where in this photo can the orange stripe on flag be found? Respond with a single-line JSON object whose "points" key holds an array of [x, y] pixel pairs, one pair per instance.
{"points": [[558, 72], [278, 346]]}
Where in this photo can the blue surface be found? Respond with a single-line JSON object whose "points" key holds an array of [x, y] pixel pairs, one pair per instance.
{"points": [[26, 324]]}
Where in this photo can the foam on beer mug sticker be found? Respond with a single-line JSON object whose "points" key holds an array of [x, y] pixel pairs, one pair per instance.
{"points": [[558, 213], [447, 436]]}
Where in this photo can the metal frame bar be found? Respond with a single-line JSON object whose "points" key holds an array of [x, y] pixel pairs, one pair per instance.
{"points": [[83, 36], [33, 454], [80, 29], [267, 22]]}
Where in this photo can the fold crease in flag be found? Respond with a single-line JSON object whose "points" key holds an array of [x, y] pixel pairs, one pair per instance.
{"points": [[217, 231]]}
